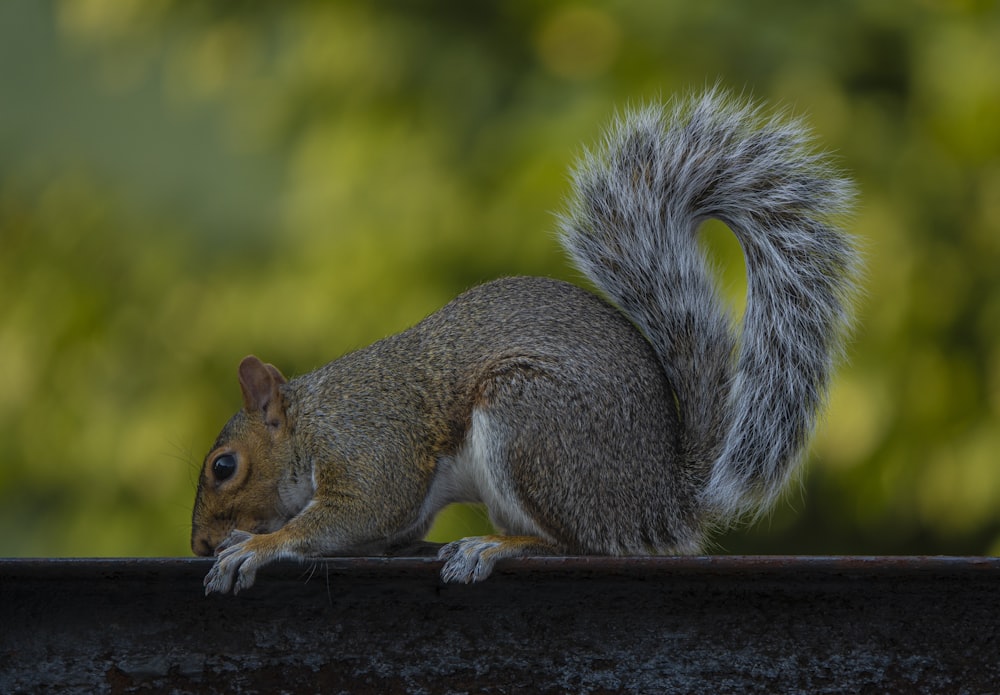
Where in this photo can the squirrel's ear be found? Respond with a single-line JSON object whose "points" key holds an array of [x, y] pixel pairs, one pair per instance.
{"points": [[261, 393]]}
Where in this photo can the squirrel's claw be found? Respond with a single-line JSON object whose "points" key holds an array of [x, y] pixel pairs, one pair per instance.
{"points": [[235, 565]]}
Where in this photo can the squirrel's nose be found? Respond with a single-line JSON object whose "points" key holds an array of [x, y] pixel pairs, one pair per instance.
{"points": [[203, 547]]}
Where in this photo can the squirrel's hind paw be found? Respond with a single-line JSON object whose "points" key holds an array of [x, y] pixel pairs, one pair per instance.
{"points": [[472, 559], [469, 559]]}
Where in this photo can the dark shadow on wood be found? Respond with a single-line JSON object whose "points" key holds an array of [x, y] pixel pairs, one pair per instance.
{"points": [[587, 625]]}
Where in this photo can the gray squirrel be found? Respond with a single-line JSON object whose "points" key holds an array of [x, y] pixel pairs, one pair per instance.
{"points": [[629, 425]]}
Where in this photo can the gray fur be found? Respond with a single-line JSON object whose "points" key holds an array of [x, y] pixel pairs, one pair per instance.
{"points": [[541, 400], [747, 405]]}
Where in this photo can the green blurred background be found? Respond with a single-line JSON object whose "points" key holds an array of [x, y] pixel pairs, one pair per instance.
{"points": [[182, 184]]}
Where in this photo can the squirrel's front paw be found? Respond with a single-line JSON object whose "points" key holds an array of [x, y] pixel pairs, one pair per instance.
{"points": [[235, 565]]}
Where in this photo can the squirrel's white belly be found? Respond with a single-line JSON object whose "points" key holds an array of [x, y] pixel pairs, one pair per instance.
{"points": [[480, 472]]}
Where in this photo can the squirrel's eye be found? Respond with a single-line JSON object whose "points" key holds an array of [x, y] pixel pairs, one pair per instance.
{"points": [[224, 467]]}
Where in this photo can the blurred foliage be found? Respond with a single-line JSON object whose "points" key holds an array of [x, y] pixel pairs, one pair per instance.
{"points": [[185, 183]]}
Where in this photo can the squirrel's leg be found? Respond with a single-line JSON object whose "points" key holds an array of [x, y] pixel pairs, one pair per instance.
{"points": [[330, 525], [241, 554], [472, 559], [483, 463]]}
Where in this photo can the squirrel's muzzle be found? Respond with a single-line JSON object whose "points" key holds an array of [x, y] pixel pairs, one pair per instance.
{"points": [[202, 546]]}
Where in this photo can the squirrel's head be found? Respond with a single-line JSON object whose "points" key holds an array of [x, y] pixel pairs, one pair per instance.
{"points": [[248, 481]]}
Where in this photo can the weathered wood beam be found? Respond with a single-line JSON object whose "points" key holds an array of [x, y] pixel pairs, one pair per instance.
{"points": [[586, 625]]}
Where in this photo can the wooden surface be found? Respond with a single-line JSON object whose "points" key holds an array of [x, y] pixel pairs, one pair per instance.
{"points": [[552, 625]]}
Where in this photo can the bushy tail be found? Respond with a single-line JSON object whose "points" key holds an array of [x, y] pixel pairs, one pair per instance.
{"points": [[747, 409]]}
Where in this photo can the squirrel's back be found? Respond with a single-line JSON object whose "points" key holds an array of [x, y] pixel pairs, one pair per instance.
{"points": [[541, 400]]}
